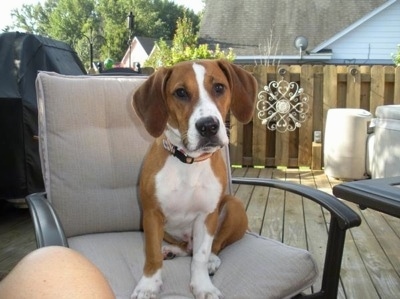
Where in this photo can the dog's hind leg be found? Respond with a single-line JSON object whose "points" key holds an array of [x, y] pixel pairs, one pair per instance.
{"points": [[175, 248], [232, 223], [171, 251]]}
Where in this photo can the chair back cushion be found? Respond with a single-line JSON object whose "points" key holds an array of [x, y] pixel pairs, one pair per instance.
{"points": [[91, 145]]}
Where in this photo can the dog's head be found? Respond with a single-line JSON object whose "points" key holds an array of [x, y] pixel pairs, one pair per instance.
{"points": [[189, 102]]}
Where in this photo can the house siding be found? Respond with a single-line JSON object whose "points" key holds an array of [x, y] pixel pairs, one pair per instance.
{"points": [[373, 41], [137, 53]]}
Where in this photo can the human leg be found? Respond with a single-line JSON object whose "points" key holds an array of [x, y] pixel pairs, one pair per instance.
{"points": [[55, 272]]}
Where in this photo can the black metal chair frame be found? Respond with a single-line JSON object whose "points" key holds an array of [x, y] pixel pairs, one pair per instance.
{"points": [[49, 230]]}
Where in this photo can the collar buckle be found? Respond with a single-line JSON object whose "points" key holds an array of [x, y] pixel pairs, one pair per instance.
{"points": [[181, 155]]}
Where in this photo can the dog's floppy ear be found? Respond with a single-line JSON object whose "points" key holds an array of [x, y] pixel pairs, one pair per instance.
{"points": [[244, 90], [150, 104]]}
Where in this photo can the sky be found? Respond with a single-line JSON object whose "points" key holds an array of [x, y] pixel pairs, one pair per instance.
{"points": [[7, 6]]}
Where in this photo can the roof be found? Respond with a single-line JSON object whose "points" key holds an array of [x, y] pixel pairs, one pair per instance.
{"points": [[147, 43], [255, 27]]}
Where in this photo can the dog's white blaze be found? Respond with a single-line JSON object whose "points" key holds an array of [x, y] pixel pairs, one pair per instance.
{"points": [[183, 197], [205, 107]]}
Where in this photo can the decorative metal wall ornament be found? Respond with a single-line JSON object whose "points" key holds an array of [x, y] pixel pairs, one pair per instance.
{"points": [[282, 106]]}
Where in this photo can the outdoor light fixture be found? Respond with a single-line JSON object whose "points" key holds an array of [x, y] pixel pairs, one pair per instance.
{"points": [[301, 44], [130, 23]]}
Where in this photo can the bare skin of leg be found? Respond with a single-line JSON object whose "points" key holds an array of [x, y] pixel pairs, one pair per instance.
{"points": [[55, 272]]}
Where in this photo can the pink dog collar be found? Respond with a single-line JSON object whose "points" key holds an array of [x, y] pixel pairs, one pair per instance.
{"points": [[181, 155]]}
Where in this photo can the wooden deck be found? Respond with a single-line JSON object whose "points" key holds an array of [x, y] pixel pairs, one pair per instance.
{"points": [[371, 261], [16, 236]]}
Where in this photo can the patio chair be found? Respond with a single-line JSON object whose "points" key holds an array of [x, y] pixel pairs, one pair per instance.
{"points": [[92, 146]]}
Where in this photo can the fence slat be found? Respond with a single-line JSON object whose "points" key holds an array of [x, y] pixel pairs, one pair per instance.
{"points": [[389, 85], [282, 139], [330, 91], [396, 96], [271, 135], [259, 130], [306, 130], [377, 88], [236, 141], [353, 87], [341, 99], [365, 87], [318, 104]]}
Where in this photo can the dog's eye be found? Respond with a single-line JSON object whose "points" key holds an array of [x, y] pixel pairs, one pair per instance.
{"points": [[219, 88], [181, 93]]}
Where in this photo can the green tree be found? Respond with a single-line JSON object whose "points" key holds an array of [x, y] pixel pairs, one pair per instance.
{"points": [[184, 47], [153, 18], [102, 22], [76, 23], [33, 18]]}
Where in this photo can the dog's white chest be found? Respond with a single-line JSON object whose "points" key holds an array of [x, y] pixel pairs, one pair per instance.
{"points": [[185, 191]]}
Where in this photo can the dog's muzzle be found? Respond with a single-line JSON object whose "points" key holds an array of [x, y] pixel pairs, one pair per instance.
{"points": [[209, 134], [207, 126]]}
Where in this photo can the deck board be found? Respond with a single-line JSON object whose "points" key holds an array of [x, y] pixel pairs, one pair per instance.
{"points": [[371, 259], [383, 275], [16, 236]]}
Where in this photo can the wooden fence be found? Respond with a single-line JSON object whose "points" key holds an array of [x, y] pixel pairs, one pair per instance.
{"points": [[329, 86]]}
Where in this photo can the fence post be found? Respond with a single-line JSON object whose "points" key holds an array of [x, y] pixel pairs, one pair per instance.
{"points": [[306, 129]]}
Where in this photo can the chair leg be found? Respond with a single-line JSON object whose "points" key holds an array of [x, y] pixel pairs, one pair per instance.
{"points": [[333, 261]]}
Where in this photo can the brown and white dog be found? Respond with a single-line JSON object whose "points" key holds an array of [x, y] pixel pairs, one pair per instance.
{"points": [[183, 180]]}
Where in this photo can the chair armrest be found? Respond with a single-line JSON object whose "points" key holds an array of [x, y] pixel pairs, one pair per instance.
{"points": [[342, 218], [48, 228], [346, 217]]}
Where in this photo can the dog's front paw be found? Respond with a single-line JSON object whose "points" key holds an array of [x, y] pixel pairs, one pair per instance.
{"points": [[205, 291], [148, 287], [202, 287], [213, 264]]}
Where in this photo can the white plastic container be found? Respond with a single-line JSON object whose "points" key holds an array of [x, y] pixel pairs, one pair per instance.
{"points": [[386, 152], [345, 143], [370, 153]]}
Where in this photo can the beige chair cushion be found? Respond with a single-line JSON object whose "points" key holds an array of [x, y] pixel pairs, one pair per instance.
{"points": [[252, 268], [92, 147]]}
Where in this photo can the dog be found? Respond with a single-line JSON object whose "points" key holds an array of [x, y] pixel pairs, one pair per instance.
{"points": [[183, 180]]}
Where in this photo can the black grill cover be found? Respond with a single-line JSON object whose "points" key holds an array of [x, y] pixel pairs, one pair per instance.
{"points": [[22, 55]]}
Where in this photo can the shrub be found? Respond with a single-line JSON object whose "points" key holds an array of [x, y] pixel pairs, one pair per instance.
{"points": [[396, 56], [184, 47]]}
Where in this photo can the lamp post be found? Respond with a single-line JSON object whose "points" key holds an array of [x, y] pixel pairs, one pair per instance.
{"points": [[91, 40], [130, 23]]}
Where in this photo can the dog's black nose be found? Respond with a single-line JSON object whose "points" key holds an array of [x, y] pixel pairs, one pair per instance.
{"points": [[207, 126]]}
